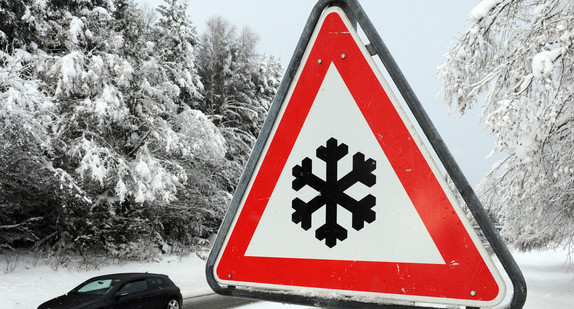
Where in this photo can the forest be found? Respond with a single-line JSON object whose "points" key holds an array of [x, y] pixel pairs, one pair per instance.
{"points": [[124, 130]]}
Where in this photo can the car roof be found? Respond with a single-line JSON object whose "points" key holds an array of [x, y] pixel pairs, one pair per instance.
{"points": [[129, 276]]}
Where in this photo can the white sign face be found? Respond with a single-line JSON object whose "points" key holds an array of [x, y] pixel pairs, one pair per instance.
{"points": [[397, 235]]}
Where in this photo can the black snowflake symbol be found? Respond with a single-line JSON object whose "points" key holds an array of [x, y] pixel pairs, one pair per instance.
{"points": [[332, 192]]}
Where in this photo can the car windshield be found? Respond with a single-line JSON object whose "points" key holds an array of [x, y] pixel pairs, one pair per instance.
{"points": [[97, 287]]}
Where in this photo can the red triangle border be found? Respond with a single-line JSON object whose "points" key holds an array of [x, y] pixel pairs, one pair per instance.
{"points": [[465, 276]]}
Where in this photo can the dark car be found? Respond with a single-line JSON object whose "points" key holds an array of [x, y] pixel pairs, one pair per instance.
{"points": [[121, 291]]}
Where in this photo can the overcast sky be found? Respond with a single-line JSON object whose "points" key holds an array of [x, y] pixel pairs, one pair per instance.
{"points": [[417, 32]]}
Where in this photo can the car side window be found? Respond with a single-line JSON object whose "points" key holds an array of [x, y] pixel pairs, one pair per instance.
{"points": [[134, 287], [99, 287], [155, 283]]}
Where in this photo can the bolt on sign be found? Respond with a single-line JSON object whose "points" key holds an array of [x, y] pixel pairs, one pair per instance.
{"points": [[341, 202]]}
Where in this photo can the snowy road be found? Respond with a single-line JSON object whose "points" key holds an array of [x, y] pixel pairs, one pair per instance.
{"points": [[214, 301]]}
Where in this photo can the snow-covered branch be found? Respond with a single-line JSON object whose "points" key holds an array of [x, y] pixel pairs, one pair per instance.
{"points": [[516, 63]]}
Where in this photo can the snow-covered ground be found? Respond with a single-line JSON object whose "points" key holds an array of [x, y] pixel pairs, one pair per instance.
{"points": [[27, 282], [549, 277]]}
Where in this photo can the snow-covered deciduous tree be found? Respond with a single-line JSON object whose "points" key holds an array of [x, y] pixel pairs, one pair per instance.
{"points": [[239, 82], [516, 61], [214, 64], [239, 85]]}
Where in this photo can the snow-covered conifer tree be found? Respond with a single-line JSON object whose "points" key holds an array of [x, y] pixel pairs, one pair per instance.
{"points": [[28, 181], [516, 62], [120, 149], [14, 28], [176, 38], [95, 102]]}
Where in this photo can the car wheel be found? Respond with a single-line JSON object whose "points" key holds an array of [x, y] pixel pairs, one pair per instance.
{"points": [[173, 304]]}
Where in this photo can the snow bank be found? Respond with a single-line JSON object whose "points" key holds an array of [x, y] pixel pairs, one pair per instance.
{"points": [[548, 275], [549, 278]]}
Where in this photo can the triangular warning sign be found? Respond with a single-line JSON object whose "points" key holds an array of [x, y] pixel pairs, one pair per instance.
{"points": [[344, 197]]}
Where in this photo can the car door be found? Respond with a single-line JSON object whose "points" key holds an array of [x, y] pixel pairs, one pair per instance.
{"points": [[157, 292], [135, 295]]}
